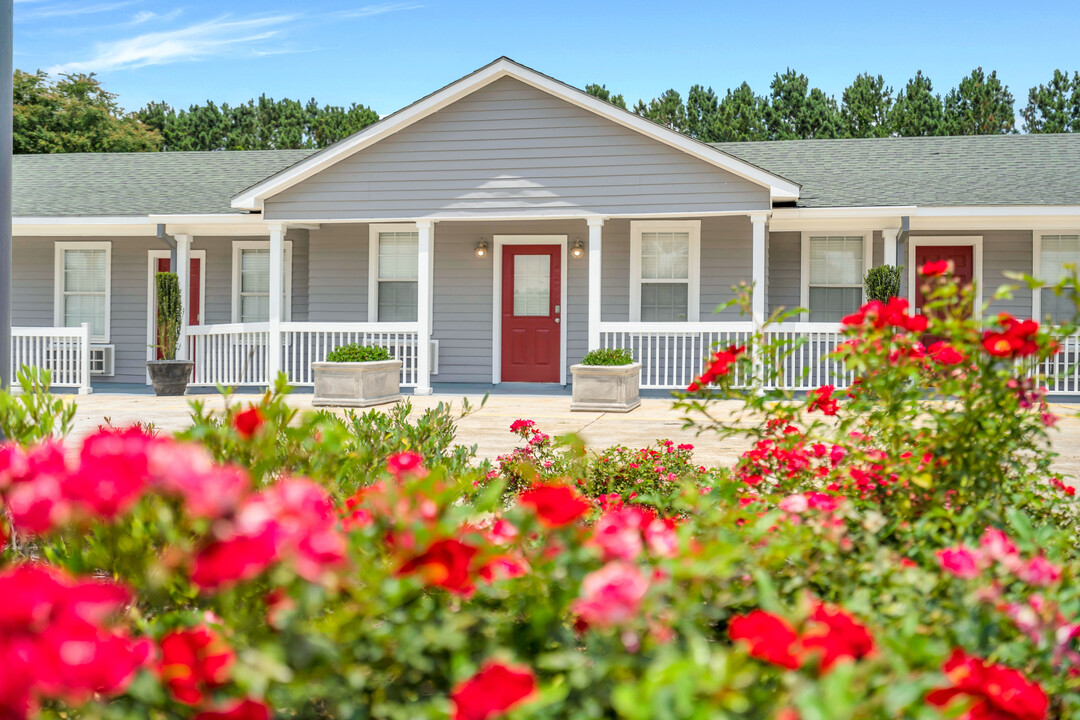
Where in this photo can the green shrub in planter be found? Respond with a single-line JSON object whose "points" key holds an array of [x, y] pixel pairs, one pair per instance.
{"points": [[354, 352], [608, 356], [882, 283]]}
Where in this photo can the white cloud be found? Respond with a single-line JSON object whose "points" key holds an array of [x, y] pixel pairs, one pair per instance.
{"points": [[71, 9], [144, 16], [211, 38], [370, 10]]}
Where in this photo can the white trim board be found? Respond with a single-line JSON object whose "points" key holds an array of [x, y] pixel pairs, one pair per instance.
{"points": [[804, 262], [498, 241], [693, 284], [234, 290], [974, 241], [151, 316], [254, 197], [58, 284]]}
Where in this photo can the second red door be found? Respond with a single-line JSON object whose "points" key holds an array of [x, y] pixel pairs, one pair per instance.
{"points": [[531, 313]]}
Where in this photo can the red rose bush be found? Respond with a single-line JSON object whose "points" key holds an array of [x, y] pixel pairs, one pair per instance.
{"points": [[897, 546]]}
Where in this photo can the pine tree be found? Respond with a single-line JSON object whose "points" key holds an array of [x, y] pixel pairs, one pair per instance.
{"points": [[604, 94], [668, 109], [797, 111], [867, 103], [1054, 107], [702, 114], [741, 116], [917, 111], [980, 105]]}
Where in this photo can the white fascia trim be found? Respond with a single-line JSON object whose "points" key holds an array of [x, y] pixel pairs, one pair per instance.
{"points": [[252, 198], [784, 213], [999, 211]]}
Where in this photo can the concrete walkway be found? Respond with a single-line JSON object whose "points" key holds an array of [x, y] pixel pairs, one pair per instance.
{"points": [[488, 427]]}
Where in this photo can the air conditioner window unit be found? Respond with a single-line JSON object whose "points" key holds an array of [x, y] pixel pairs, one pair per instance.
{"points": [[103, 360]]}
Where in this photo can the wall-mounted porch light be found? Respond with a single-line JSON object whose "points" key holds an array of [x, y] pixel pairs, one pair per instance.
{"points": [[481, 248], [578, 251]]}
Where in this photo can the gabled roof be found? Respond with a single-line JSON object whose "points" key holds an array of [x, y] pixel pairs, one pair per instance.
{"points": [[139, 184], [252, 198], [986, 170]]}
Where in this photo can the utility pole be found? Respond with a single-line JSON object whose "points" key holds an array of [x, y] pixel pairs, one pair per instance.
{"points": [[7, 41]]}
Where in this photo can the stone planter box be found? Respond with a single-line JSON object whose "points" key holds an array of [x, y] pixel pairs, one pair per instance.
{"points": [[356, 384], [169, 377], [605, 388]]}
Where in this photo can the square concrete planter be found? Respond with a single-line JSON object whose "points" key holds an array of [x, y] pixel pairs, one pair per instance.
{"points": [[605, 388], [356, 384]]}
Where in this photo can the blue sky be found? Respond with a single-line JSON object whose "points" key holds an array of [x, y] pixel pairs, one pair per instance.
{"points": [[388, 54]]}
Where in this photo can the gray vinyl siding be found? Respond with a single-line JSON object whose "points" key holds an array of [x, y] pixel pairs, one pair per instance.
{"points": [[339, 273], [615, 273], [32, 282], [877, 257], [511, 150], [785, 267]]}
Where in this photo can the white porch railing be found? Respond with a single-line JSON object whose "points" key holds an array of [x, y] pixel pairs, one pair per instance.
{"points": [[308, 342], [673, 354], [64, 352], [804, 356], [1061, 373], [232, 354]]}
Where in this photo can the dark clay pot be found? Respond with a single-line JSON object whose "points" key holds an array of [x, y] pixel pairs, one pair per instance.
{"points": [[170, 377]]}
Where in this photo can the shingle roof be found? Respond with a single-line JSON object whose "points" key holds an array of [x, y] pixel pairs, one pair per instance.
{"points": [[934, 171], [926, 171], [115, 184]]}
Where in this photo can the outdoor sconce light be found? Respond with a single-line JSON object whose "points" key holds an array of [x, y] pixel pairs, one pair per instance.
{"points": [[578, 251], [481, 248]]}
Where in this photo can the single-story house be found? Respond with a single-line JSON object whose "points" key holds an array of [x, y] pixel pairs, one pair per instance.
{"points": [[497, 229]]}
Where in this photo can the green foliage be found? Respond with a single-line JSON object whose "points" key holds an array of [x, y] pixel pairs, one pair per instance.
{"points": [[667, 110], [73, 113], [608, 356], [866, 108], [1054, 107], [980, 105], [741, 117], [882, 283], [169, 313], [601, 91], [797, 111], [33, 414], [355, 352]]}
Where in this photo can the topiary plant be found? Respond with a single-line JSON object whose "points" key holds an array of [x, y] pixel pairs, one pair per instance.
{"points": [[608, 356], [882, 283], [355, 352], [170, 313]]}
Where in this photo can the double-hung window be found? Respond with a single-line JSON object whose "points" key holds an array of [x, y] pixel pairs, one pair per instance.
{"points": [[1058, 251], [394, 257], [83, 282], [833, 268], [664, 271], [251, 282]]}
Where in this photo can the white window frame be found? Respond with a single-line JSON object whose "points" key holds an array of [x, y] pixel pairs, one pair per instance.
{"points": [[151, 290], [804, 271], [974, 241], [58, 283], [373, 267], [1036, 266], [693, 279], [239, 246]]}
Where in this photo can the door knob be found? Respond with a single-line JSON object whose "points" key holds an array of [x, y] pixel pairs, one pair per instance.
{"points": [[557, 319]]}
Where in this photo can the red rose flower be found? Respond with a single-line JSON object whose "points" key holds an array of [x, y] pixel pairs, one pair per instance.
{"points": [[1015, 340], [822, 399], [194, 661], [247, 422], [406, 463], [936, 269], [837, 635], [961, 562], [943, 353], [998, 692], [555, 505], [521, 425], [611, 595], [246, 709], [235, 559], [768, 637], [492, 691], [719, 364], [446, 564]]}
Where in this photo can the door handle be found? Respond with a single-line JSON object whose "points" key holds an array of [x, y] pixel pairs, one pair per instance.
{"points": [[557, 320], [556, 309]]}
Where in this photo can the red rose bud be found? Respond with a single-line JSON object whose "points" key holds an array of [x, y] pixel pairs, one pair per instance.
{"points": [[247, 422]]}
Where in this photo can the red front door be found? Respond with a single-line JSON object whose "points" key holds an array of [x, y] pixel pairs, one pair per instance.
{"points": [[531, 313], [194, 297], [962, 257]]}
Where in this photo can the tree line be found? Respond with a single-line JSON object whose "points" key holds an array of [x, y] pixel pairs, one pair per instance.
{"points": [[74, 113]]}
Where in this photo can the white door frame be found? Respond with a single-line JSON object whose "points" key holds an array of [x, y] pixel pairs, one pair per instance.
{"points": [[152, 257], [974, 241], [496, 300]]}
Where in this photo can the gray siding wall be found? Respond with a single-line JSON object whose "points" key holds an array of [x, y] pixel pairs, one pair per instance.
{"points": [[33, 290], [511, 150], [785, 267]]}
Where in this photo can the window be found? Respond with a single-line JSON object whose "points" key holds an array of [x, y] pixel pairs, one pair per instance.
{"points": [[83, 282], [664, 271], [251, 282], [1057, 252], [833, 270], [394, 257]]}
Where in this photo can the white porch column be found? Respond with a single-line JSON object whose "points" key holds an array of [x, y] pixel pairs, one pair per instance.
{"points": [[183, 276], [596, 227], [889, 235], [425, 232], [757, 304], [277, 294]]}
